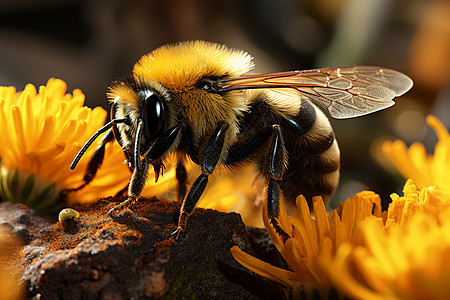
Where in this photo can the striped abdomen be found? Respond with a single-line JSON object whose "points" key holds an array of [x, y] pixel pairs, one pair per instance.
{"points": [[313, 154], [314, 157]]}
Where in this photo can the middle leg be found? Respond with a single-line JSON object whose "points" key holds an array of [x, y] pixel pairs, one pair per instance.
{"points": [[213, 152], [267, 147]]}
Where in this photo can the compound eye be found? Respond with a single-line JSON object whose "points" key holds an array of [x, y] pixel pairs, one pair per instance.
{"points": [[153, 115]]}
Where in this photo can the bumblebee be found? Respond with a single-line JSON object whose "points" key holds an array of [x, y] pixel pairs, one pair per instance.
{"points": [[198, 100]]}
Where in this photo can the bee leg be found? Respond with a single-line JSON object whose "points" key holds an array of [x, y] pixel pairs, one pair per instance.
{"points": [[120, 212], [211, 156], [95, 161], [276, 165], [181, 175], [189, 203]]}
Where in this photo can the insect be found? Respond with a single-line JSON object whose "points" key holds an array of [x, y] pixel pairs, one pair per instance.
{"points": [[198, 100]]}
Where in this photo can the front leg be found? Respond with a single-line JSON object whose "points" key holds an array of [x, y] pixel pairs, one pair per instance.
{"points": [[213, 152], [120, 212], [141, 168]]}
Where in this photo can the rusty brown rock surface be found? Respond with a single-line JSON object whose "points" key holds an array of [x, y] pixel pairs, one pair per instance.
{"points": [[104, 259]]}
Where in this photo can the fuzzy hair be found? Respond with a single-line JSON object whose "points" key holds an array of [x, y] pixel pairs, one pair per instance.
{"points": [[179, 67]]}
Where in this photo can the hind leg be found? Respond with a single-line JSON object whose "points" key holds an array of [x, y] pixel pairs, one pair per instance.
{"points": [[209, 161], [274, 164]]}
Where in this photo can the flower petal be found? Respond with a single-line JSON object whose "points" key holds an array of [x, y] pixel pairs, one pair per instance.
{"points": [[262, 268]]}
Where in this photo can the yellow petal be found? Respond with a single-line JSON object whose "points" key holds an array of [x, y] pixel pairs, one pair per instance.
{"points": [[320, 215], [262, 268]]}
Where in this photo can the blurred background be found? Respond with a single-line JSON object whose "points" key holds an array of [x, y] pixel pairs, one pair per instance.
{"points": [[90, 43]]}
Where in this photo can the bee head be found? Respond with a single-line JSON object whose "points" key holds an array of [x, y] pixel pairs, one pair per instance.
{"points": [[144, 106]]}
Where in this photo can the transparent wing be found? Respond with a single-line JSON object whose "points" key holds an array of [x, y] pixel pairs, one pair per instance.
{"points": [[345, 92]]}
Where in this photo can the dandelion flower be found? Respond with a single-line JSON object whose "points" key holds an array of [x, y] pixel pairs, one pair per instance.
{"points": [[41, 134], [405, 256], [309, 236], [362, 252], [415, 163]]}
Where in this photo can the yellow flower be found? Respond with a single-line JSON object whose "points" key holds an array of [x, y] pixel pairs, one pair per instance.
{"points": [[309, 236], [405, 257], [362, 252], [414, 162], [41, 134]]}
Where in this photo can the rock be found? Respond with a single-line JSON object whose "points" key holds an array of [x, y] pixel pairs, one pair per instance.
{"points": [[102, 259]]}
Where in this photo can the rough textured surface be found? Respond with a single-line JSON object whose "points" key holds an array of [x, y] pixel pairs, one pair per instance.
{"points": [[103, 259]]}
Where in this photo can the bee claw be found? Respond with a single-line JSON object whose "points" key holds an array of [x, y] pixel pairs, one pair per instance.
{"points": [[283, 235], [156, 175], [124, 217], [159, 170], [178, 233], [122, 213], [127, 216]]}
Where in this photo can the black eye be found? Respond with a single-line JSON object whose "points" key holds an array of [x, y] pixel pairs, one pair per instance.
{"points": [[153, 114]]}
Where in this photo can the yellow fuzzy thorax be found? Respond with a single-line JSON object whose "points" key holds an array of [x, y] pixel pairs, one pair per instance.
{"points": [[178, 67]]}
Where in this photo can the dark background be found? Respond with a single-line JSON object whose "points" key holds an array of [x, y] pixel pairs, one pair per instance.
{"points": [[90, 43]]}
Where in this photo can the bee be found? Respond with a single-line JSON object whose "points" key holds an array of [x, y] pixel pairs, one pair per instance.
{"points": [[199, 101]]}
